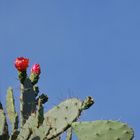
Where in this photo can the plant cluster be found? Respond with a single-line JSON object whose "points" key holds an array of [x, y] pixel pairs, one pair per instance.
{"points": [[34, 124]]}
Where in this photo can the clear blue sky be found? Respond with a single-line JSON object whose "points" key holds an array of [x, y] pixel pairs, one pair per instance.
{"points": [[85, 47]]}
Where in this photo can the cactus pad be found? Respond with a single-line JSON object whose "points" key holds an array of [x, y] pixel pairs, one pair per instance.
{"points": [[27, 101], [10, 107], [61, 116], [28, 127], [69, 134], [102, 130], [3, 125]]}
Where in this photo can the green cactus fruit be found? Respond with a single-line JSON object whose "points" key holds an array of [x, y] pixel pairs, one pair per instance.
{"points": [[40, 133], [103, 130], [27, 101], [3, 126], [10, 107], [22, 76], [34, 78]]}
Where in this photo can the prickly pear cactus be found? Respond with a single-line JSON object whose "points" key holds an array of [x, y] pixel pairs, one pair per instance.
{"points": [[27, 101], [27, 129], [102, 130], [60, 118], [34, 124], [10, 107], [3, 125], [69, 134]]}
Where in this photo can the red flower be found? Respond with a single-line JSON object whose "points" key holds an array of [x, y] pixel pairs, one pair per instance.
{"points": [[21, 63], [36, 69]]}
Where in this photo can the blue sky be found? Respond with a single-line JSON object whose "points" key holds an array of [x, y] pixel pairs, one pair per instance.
{"points": [[84, 48]]}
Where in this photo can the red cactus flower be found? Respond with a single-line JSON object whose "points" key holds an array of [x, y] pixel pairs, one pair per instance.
{"points": [[36, 69], [21, 63]]}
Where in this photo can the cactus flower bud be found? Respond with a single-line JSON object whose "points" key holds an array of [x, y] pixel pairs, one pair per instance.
{"points": [[36, 69], [21, 63], [35, 72]]}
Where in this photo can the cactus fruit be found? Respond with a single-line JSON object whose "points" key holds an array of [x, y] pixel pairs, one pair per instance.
{"points": [[102, 130]]}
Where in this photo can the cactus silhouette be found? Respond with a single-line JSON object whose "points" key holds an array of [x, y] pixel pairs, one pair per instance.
{"points": [[34, 124]]}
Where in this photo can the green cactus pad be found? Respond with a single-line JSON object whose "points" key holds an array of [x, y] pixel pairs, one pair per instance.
{"points": [[69, 134], [14, 135], [62, 116], [26, 130], [10, 107], [2, 120], [102, 130], [3, 125], [40, 113], [40, 133], [27, 101], [58, 119]]}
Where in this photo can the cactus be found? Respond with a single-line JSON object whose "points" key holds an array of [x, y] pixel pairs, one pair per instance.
{"points": [[103, 130], [12, 114], [56, 123], [3, 126], [69, 134], [27, 101], [27, 128], [10, 107], [37, 125]]}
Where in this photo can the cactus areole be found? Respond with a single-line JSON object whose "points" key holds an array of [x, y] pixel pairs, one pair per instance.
{"points": [[34, 124]]}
